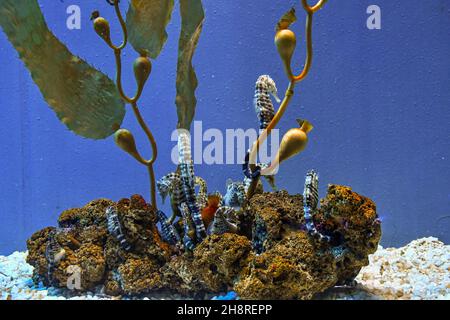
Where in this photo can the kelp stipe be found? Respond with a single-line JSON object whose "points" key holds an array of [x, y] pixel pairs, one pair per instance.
{"points": [[286, 42]]}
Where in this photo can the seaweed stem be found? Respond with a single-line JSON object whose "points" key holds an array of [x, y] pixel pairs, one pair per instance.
{"points": [[151, 174], [147, 131], [310, 10], [117, 53], [309, 49], [314, 8], [148, 163], [122, 24], [133, 102], [254, 152]]}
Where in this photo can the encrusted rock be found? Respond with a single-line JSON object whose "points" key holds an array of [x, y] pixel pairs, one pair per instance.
{"points": [[272, 257], [92, 264], [139, 275], [178, 275], [91, 214], [219, 259], [112, 285], [274, 214], [36, 251], [295, 268], [353, 218], [82, 240]]}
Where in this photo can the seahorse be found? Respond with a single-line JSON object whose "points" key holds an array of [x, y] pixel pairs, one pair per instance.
{"points": [[259, 235], [170, 185], [202, 194], [115, 228], [187, 180], [168, 231], [54, 253], [249, 176], [188, 236], [235, 194], [310, 202], [221, 223], [264, 109]]}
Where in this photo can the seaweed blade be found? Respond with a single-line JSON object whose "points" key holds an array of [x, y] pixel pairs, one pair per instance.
{"points": [[84, 99], [146, 24], [192, 17]]}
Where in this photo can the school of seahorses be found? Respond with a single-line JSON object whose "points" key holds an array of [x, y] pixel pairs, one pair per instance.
{"points": [[197, 214]]}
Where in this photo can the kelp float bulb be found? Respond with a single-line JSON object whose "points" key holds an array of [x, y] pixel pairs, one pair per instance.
{"points": [[142, 69], [286, 42], [125, 140], [101, 27], [294, 141]]}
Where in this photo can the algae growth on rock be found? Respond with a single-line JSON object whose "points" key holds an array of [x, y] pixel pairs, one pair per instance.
{"points": [[292, 265], [262, 245]]}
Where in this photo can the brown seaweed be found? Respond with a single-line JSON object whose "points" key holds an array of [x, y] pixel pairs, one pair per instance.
{"points": [[146, 25], [192, 16], [84, 99]]}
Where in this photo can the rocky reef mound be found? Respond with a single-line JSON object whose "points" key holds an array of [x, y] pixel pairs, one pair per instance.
{"points": [[117, 247]]}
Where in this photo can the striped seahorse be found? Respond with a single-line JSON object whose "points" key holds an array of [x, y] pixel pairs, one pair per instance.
{"points": [[235, 194], [249, 176], [221, 223], [54, 253], [187, 180], [115, 228], [237, 191], [310, 202], [202, 194], [259, 189], [189, 233], [170, 185], [168, 231], [264, 109]]}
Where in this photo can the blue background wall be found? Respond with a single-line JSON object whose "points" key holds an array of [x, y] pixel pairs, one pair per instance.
{"points": [[379, 101]]}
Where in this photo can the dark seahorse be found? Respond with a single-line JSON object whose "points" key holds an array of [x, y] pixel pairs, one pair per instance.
{"points": [[115, 228], [250, 175], [310, 202], [186, 166], [168, 231]]}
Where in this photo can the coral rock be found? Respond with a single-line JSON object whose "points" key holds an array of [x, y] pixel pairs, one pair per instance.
{"points": [[219, 259], [86, 244], [139, 276], [295, 268], [272, 257], [274, 214], [355, 219]]}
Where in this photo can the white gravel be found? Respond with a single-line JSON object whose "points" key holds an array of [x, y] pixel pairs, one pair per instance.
{"points": [[420, 270]]}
